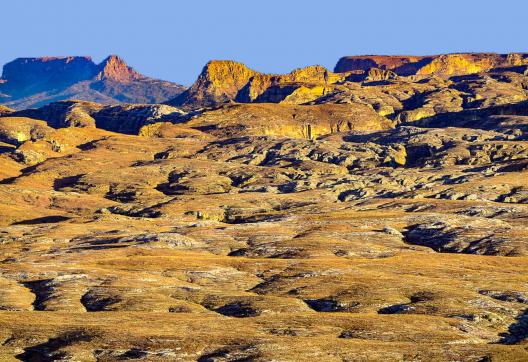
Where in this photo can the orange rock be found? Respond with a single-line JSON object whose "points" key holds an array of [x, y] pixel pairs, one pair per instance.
{"points": [[223, 81]]}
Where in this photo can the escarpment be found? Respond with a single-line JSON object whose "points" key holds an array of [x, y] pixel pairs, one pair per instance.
{"points": [[443, 65]]}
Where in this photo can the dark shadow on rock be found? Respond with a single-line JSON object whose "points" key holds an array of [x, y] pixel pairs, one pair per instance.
{"points": [[42, 290], [396, 309], [50, 350], [96, 303], [68, 181], [238, 310], [518, 331], [8, 180], [43, 220], [134, 353], [325, 305], [6, 148], [236, 353]]}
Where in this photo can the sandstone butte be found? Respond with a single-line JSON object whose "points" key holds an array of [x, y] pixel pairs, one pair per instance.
{"points": [[223, 80], [445, 64], [374, 213]]}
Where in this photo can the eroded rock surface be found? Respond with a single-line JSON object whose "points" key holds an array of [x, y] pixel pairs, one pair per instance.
{"points": [[342, 229]]}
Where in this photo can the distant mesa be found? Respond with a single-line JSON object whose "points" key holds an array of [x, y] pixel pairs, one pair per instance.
{"points": [[441, 65], [33, 82], [402, 65]]}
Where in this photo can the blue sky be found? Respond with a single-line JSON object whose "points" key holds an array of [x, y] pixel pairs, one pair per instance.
{"points": [[173, 39]]}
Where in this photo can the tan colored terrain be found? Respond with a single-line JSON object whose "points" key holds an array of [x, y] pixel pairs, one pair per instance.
{"points": [[382, 220]]}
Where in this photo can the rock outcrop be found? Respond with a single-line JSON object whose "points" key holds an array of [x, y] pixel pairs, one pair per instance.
{"points": [[405, 88], [219, 82], [402, 65], [5, 111], [442, 65], [285, 120], [227, 81], [125, 118]]}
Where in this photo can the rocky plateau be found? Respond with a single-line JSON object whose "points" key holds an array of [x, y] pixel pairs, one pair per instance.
{"points": [[377, 212]]}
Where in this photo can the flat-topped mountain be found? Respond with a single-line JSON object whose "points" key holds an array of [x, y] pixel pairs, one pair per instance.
{"points": [[33, 82], [443, 65]]}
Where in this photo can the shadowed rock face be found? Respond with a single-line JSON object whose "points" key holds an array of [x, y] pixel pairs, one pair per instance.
{"points": [[126, 118], [30, 82], [402, 65], [317, 216]]}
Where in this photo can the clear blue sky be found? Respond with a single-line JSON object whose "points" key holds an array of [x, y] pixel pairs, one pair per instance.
{"points": [[173, 39]]}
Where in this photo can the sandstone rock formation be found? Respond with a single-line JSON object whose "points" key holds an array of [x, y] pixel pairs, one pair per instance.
{"points": [[402, 65], [403, 89], [358, 216], [288, 120], [445, 64], [126, 118], [225, 81], [5, 110]]}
